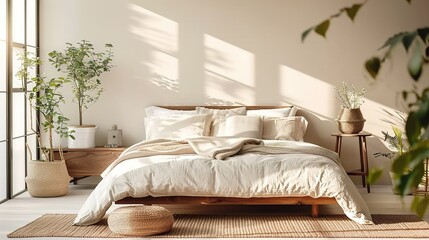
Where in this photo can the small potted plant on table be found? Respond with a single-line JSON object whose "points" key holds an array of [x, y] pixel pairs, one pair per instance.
{"points": [[83, 67], [350, 119], [47, 177]]}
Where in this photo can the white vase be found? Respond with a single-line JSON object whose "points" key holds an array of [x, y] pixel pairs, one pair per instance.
{"points": [[84, 136]]}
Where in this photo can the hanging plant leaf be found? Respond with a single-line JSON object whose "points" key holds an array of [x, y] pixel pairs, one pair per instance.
{"points": [[423, 33], [372, 66], [415, 65], [427, 52], [305, 33], [322, 28], [393, 40], [353, 10], [407, 40]]}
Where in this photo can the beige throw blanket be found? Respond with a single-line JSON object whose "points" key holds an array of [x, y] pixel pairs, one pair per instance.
{"points": [[212, 147]]}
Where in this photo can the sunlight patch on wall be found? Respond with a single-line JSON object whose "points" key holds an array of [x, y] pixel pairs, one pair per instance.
{"points": [[307, 92], [160, 37], [156, 30], [377, 117], [165, 69], [229, 72]]}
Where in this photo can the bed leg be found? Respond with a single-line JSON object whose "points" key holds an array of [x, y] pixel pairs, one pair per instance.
{"points": [[315, 210]]}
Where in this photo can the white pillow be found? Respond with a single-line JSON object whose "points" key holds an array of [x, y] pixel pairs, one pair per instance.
{"points": [[154, 111], [178, 126], [288, 128], [276, 112], [244, 126], [219, 118]]}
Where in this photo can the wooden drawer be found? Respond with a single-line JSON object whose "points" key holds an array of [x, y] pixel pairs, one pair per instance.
{"points": [[89, 161]]}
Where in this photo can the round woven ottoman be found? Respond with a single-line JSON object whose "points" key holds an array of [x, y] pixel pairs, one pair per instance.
{"points": [[140, 220]]}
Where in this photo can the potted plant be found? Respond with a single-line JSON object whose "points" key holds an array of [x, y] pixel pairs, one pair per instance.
{"points": [[350, 119], [47, 177], [397, 145], [83, 67]]}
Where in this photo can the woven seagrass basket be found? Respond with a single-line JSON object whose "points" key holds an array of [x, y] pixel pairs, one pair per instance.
{"points": [[47, 179], [140, 220]]}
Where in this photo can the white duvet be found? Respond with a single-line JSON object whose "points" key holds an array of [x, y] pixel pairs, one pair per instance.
{"points": [[243, 175]]}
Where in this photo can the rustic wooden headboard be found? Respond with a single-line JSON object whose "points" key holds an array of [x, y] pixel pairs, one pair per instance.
{"points": [[222, 107]]}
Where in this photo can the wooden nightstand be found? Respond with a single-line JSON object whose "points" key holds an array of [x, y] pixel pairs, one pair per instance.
{"points": [[363, 171], [84, 162]]}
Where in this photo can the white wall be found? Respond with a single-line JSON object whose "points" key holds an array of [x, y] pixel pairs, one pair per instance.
{"points": [[241, 52]]}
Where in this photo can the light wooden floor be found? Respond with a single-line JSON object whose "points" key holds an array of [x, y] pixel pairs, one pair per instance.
{"points": [[24, 209]]}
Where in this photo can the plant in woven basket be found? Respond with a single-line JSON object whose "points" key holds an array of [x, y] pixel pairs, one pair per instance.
{"points": [[48, 177], [350, 119]]}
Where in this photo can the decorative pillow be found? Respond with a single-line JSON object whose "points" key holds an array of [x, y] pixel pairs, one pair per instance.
{"points": [[276, 112], [178, 126], [244, 126], [154, 111], [219, 118], [288, 128]]}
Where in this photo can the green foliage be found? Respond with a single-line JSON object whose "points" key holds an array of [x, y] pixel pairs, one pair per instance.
{"points": [[373, 175], [44, 98], [83, 67], [323, 27], [408, 167]]}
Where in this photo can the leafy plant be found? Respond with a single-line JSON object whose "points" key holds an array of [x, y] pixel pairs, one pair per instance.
{"points": [[349, 97], [408, 167], [415, 43], [44, 98], [83, 67]]}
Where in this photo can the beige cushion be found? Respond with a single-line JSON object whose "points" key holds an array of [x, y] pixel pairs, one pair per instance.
{"points": [[289, 128], [275, 112], [140, 220], [178, 126], [219, 118], [244, 126]]}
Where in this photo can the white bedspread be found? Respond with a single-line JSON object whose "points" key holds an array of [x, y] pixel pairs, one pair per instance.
{"points": [[244, 175]]}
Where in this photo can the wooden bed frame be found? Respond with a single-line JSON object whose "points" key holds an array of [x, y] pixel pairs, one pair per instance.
{"points": [[302, 200]]}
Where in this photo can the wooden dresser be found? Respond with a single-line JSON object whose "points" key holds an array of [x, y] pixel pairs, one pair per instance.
{"points": [[83, 162]]}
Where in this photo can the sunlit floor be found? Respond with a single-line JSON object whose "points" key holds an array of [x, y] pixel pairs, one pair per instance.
{"points": [[24, 209]]}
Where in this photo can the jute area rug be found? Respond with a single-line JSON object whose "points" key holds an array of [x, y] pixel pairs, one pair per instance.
{"points": [[214, 226]]}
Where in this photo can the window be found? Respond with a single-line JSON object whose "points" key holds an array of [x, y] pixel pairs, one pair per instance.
{"points": [[18, 33]]}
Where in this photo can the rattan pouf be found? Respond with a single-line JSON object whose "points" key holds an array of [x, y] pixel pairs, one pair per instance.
{"points": [[140, 220]]}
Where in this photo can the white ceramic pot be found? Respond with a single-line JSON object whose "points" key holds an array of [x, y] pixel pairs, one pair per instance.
{"points": [[47, 179], [84, 136]]}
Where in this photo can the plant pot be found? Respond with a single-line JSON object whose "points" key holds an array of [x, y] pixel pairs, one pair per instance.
{"points": [[84, 136], [47, 179], [350, 120]]}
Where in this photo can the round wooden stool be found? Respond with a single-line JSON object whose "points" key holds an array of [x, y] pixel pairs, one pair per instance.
{"points": [[140, 220]]}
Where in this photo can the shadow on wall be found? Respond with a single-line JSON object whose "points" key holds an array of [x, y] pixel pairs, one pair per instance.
{"points": [[224, 74]]}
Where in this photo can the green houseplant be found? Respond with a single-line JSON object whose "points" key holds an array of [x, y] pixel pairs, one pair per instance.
{"points": [[47, 177], [408, 168], [82, 66]]}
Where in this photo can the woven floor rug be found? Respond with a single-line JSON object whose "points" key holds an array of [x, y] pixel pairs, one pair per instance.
{"points": [[213, 226]]}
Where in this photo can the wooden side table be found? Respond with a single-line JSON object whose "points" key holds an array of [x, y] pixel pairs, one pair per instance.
{"points": [[363, 171], [84, 162]]}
